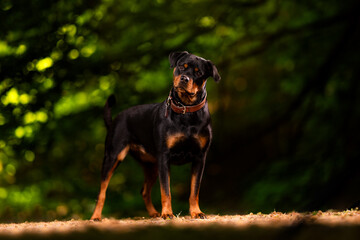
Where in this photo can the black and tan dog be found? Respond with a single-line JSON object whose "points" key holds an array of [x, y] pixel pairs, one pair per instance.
{"points": [[176, 131]]}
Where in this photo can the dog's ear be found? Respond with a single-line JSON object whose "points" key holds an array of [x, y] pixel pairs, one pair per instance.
{"points": [[175, 56], [214, 72]]}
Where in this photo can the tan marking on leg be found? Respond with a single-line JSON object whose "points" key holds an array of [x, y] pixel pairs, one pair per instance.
{"points": [[123, 154], [144, 156], [104, 185], [148, 203], [172, 139], [166, 211], [151, 174], [101, 200], [195, 211]]}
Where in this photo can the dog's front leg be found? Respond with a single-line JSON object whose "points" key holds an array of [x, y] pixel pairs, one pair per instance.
{"points": [[164, 177], [196, 176]]}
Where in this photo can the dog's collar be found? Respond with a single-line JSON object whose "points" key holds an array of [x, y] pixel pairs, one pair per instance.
{"points": [[178, 107]]}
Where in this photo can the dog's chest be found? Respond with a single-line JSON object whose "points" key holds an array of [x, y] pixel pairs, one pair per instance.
{"points": [[184, 148]]}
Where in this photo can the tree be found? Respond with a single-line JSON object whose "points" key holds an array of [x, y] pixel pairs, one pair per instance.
{"points": [[284, 115]]}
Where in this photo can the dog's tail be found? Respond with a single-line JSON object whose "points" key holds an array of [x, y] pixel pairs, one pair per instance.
{"points": [[110, 102]]}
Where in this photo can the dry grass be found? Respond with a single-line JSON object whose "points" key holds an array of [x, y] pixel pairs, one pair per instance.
{"points": [[274, 223]]}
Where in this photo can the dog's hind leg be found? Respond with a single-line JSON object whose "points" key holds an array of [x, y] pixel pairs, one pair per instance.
{"points": [[109, 166], [151, 174]]}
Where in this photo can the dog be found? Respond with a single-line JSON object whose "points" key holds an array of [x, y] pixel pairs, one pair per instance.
{"points": [[176, 131]]}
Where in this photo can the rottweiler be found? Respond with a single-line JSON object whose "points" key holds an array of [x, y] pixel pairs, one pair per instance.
{"points": [[176, 131]]}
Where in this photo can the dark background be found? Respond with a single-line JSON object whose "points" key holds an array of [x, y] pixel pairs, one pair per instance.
{"points": [[285, 114]]}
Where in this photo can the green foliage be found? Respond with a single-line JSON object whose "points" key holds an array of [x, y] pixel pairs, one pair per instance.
{"points": [[285, 115]]}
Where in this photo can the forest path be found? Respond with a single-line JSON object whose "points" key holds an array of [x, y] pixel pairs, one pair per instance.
{"points": [[276, 225]]}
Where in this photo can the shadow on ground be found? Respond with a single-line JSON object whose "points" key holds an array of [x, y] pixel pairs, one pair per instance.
{"points": [[302, 231]]}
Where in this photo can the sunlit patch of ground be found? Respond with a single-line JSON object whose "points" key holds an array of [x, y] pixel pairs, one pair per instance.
{"points": [[330, 224]]}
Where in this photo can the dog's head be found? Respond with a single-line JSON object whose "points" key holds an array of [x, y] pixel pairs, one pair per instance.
{"points": [[190, 75]]}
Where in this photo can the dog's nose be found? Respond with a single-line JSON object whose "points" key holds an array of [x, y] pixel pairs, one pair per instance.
{"points": [[185, 78]]}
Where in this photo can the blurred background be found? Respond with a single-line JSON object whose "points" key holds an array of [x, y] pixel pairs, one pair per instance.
{"points": [[285, 114]]}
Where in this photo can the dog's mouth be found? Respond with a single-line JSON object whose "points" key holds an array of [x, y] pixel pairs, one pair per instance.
{"points": [[185, 96], [184, 91]]}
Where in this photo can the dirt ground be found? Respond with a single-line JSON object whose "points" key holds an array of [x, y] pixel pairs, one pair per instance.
{"points": [[276, 225]]}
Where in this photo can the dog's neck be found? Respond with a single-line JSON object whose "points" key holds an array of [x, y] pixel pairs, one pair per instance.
{"points": [[200, 96]]}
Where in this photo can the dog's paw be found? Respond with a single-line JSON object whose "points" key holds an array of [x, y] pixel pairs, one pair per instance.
{"points": [[167, 216], [198, 215], [155, 215], [96, 219]]}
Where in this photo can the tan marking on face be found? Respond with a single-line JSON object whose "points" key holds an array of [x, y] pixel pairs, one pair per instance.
{"points": [[196, 69], [193, 88], [184, 90], [172, 139], [185, 65], [202, 84], [185, 98], [201, 140], [177, 80]]}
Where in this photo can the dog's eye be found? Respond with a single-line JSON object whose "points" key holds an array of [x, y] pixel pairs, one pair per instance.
{"points": [[198, 73], [181, 68]]}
